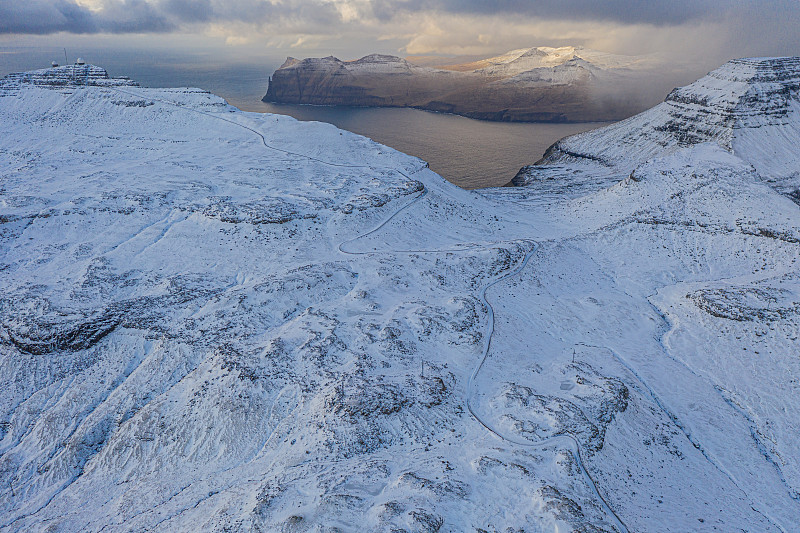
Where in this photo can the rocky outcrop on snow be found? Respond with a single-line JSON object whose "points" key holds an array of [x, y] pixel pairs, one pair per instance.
{"points": [[217, 320], [567, 84]]}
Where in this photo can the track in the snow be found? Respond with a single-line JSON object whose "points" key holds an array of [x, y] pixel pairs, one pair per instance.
{"points": [[565, 439]]}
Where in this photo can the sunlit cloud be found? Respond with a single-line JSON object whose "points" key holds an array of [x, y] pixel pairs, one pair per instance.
{"points": [[92, 5]]}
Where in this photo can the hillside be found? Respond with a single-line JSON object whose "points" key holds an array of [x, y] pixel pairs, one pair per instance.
{"points": [[748, 107], [218, 320]]}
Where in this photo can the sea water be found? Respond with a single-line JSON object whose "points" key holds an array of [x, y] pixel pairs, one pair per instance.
{"points": [[470, 153]]}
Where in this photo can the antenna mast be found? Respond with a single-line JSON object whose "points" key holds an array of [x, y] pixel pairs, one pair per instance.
{"points": [[66, 61]]}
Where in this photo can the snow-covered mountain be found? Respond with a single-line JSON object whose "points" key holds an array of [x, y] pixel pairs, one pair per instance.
{"points": [[527, 59], [218, 320], [749, 107], [545, 84]]}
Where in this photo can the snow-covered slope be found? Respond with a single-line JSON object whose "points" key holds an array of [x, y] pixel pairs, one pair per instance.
{"points": [[573, 72], [527, 59], [217, 320], [750, 107]]}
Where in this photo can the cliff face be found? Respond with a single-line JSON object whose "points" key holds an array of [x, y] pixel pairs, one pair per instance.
{"points": [[539, 84], [375, 80]]}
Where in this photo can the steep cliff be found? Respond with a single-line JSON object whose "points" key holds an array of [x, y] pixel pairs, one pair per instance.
{"points": [[375, 80]]}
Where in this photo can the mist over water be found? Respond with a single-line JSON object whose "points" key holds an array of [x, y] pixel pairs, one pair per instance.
{"points": [[470, 153]]}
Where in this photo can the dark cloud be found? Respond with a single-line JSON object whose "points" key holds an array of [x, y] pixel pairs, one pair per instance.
{"points": [[655, 12], [146, 16], [52, 16], [154, 16], [43, 16], [189, 10], [133, 16]]}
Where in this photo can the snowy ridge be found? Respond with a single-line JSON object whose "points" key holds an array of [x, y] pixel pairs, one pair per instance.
{"points": [[520, 61], [747, 106], [574, 71], [223, 320], [784, 70]]}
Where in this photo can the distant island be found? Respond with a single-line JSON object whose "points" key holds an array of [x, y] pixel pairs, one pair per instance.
{"points": [[540, 84]]}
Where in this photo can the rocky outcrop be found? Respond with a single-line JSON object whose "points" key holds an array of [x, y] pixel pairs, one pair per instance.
{"points": [[537, 85]]}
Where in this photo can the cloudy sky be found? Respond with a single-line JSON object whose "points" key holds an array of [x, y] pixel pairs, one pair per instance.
{"points": [[703, 31]]}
